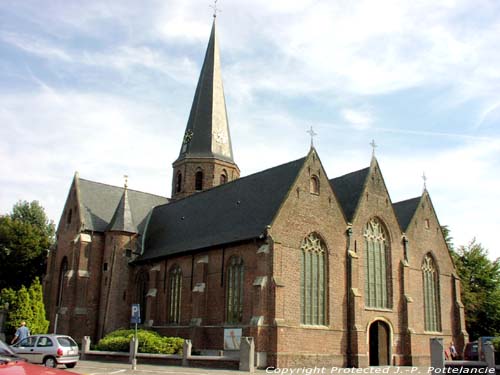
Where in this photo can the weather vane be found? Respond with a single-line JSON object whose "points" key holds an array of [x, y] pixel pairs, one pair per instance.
{"points": [[312, 133], [424, 177], [126, 180], [214, 7], [374, 146]]}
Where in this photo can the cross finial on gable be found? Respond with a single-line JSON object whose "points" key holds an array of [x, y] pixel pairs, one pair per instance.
{"points": [[374, 146], [313, 134], [424, 177], [214, 7]]}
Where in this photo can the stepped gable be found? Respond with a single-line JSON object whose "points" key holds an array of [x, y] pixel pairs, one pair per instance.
{"points": [[229, 213], [348, 189], [405, 210], [99, 202]]}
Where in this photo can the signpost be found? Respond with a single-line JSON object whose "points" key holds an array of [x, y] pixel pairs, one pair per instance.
{"points": [[135, 318]]}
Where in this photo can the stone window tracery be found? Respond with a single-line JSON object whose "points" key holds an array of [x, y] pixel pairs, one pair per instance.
{"points": [[432, 313], [174, 294], [234, 290]]}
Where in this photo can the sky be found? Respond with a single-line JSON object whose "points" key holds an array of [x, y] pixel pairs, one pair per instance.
{"points": [[105, 88]]}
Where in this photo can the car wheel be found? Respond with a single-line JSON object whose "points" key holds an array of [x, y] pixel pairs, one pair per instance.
{"points": [[70, 365], [50, 362]]}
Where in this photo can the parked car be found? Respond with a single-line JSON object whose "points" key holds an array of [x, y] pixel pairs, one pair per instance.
{"points": [[11, 364], [51, 350], [471, 351]]}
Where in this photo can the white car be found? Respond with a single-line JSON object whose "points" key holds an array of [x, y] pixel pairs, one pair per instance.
{"points": [[50, 349]]}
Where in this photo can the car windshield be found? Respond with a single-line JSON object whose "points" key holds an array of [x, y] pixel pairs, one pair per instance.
{"points": [[66, 341], [6, 354]]}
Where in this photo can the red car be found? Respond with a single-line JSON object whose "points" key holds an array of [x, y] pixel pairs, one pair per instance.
{"points": [[11, 364]]}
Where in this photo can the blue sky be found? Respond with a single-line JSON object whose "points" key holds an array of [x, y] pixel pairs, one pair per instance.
{"points": [[105, 88]]}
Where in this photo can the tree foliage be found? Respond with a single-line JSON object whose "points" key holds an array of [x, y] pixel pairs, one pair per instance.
{"points": [[25, 237], [25, 304], [480, 279]]}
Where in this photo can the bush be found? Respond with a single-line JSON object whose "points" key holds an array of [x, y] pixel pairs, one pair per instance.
{"points": [[496, 343], [149, 342]]}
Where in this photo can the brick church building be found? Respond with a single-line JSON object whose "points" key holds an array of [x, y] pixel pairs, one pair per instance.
{"points": [[319, 271]]}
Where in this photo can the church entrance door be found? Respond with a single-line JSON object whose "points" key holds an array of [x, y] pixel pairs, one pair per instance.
{"points": [[379, 343]]}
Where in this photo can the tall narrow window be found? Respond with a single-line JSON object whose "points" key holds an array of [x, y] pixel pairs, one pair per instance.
{"points": [[234, 290], [377, 285], [223, 177], [178, 183], [198, 181], [432, 315], [142, 284], [313, 281], [314, 185], [174, 294], [60, 288], [70, 214]]}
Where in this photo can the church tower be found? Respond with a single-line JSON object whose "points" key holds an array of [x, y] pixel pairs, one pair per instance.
{"points": [[206, 156]]}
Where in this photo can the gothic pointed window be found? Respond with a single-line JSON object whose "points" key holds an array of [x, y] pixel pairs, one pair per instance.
{"points": [[377, 266], [198, 181], [60, 287], [174, 294], [178, 183], [223, 177], [313, 281], [142, 285], [314, 185], [432, 315], [234, 290]]}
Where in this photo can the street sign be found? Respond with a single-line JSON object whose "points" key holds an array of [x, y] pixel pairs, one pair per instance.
{"points": [[136, 314]]}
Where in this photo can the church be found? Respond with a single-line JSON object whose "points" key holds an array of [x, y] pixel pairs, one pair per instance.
{"points": [[320, 271]]}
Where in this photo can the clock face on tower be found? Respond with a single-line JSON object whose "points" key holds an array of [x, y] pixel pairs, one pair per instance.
{"points": [[187, 136]]}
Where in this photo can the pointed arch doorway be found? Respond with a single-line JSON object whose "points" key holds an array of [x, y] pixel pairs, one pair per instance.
{"points": [[379, 343]]}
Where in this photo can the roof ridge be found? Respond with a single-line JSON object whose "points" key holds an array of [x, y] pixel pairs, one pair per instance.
{"points": [[230, 182], [121, 187]]}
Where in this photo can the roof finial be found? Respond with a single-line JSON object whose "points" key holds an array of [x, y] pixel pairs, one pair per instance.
{"points": [[214, 7], [424, 177], [125, 185], [313, 134], [374, 146]]}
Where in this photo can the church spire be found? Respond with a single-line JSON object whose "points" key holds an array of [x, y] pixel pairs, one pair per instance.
{"points": [[206, 156], [207, 130], [122, 220]]}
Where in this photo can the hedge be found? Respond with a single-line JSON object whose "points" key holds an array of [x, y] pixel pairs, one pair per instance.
{"points": [[149, 342]]}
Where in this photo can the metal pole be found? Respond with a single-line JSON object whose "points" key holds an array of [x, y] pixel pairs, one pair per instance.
{"points": [[55, 322]]}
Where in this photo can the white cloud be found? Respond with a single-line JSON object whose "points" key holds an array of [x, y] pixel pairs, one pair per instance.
{"points": [[358, 119]]}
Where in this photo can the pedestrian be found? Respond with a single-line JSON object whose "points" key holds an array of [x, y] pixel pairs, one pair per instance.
{"points": [[21, 333], [453, 351]]}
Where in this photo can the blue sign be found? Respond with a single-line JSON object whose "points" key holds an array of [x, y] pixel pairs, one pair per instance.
{"points": [[136, 314]]}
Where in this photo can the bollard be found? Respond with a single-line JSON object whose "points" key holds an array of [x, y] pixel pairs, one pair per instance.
{"points": [[247, 354], [134, 346], [85, 346]]}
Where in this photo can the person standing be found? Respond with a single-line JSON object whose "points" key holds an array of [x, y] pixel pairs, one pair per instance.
{"points": [[453, 351], [21, 333]]}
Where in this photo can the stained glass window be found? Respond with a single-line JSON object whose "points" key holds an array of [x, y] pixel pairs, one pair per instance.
{"points": [[174, 294], [432, 313], [234, 290]]}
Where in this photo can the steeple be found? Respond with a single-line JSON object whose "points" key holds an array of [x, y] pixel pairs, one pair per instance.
{"points": [[122, 220], [206, 156]]}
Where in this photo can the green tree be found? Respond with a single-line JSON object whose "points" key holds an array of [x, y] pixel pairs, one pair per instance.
{"points": [[480, 279], [39, 322], [25, 236], [447, 237]]}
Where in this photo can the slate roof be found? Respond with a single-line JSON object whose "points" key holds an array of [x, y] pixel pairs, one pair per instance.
{"points": [[405, 210], [236, 211], [99, 202], [348, 189], [123, 220]]}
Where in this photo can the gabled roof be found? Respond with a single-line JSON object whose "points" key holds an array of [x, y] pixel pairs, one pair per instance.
{"points": [[99, 202], [233, 212], [123, 220], [348, 189], [207, 131], [405, 210]]}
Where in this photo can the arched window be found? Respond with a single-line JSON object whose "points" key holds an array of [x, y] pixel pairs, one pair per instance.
{"points": [[142, 285], [198, 180], [234, 290], [377, 285], [432, 315], [223, 177], [314, 185], [174, 294], [70, 214], [313, 281], [60, 288], [178, 183]]}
